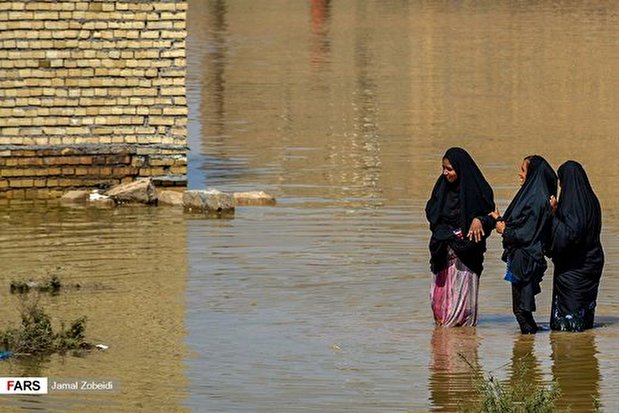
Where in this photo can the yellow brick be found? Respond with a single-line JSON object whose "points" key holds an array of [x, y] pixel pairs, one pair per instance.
{"points": [[21, 183], [65, 182], [172, 16], [159, 6], [159, 25], [15, 194], [160, 120], [179, 110], [179, 131], [178, 170], [21, 15], [46, 15], [173, 91], [173, 53], [169, 34], [151, 34], [56, 25]]}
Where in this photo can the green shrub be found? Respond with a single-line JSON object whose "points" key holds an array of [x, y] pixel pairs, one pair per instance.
{"points": [[521, 396], [36, 335], [51, 285]]}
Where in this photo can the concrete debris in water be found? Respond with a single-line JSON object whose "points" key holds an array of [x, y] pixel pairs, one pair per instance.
{"points": [[210, 202], [253, 198], [170, 197], [141, 191], [76, 196]]}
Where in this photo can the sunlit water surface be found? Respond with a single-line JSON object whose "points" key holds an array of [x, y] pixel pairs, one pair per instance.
{"points": [[342, 110]]}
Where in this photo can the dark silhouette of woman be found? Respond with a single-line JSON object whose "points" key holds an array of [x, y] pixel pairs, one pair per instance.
{"points": [[526, 227], [576, 251], [458, 213]]}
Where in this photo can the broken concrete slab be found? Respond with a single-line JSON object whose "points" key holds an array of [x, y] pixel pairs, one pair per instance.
{"points": [[141, 191], [75, 196], [210, 202], [168, 197], [253, 198]]}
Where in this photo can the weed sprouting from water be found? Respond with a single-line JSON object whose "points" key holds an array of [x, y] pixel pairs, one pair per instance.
{"points": [[36, 335], [521, 396], [51, 285]]}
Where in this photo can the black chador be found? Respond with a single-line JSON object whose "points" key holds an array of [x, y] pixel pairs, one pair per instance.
{"points": [[576, 251], [528, 223], [451, 209]]}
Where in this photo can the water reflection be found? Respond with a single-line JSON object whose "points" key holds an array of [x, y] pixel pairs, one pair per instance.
{"points": [[524, 366], [320, 11], [342, 109], [576, 369], [214, 69], [131, 265], [356, 159], [452, 383]]}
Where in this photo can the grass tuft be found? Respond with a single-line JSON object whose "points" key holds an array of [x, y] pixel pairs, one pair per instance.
{"points": [[36, 335], [522, 396]]}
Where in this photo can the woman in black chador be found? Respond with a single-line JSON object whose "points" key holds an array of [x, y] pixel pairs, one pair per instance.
{"points": [[526, 227], [576, 251], [458, 214]]}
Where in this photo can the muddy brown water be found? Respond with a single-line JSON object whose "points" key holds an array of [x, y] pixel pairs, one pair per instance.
{"points": [[342, 109]]}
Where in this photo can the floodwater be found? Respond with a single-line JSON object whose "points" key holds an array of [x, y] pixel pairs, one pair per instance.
{"points": [[342, 109]]}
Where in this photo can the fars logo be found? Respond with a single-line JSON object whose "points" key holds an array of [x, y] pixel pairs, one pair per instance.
{"points": [[23, 385]]}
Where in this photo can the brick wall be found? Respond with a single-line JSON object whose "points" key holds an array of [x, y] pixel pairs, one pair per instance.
{"points": [[92, 92]]}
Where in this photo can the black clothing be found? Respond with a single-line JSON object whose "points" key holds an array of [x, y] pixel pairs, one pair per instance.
{"points": [[576, 251], [523, 296], [451, 209], [528, 223]]}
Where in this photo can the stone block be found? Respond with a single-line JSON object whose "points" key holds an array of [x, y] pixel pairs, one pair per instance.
{"points": [[141, 191], [253, 198], [75, 196], [168, 197], [209, 202]]}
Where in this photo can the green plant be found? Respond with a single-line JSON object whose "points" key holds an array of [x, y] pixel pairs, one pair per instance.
{"points": [[520, 396], [73, 338], [51, 285], [36, 335]]}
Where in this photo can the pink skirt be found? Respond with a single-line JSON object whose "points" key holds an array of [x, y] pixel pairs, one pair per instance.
{"points": [[454, 294]]}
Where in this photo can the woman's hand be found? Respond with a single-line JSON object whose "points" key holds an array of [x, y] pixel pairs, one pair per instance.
{"points": [[495, 214], [476, 232], [500, 227], [553, 204]]}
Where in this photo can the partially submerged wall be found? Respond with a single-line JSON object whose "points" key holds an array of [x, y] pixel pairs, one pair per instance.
{"points": [[92, 93]]}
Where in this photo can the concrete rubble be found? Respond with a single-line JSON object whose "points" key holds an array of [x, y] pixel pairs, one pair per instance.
{"points": [[210, 202]]}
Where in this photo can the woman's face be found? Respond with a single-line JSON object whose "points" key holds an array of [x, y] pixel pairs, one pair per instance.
{"points": [[449, 172], [524, 167]]}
